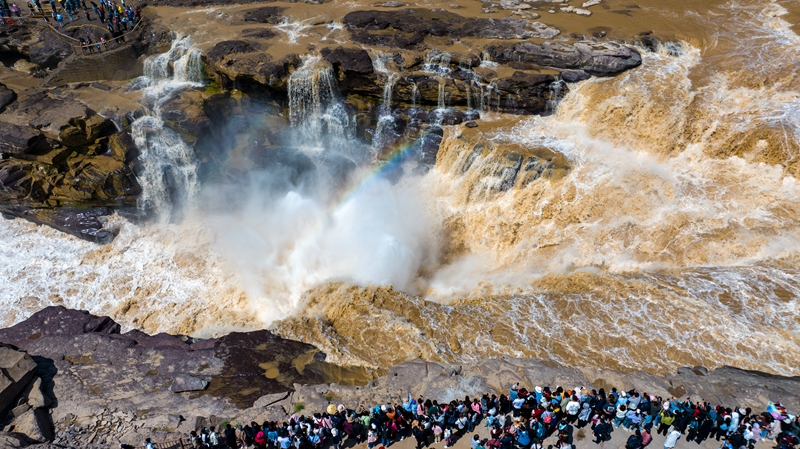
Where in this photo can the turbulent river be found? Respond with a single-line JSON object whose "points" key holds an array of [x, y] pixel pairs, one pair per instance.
{"points": [[672, 241]]}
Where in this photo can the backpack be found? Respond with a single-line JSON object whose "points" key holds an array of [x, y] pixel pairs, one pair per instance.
{"points": [[547, 418]]}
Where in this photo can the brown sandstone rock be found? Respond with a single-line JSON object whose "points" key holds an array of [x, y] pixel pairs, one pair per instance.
{"points": [[122, 147]]}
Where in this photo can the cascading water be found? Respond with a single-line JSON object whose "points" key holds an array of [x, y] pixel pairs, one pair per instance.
{"points": [[168, 174], [315, 111], [385, 127]]}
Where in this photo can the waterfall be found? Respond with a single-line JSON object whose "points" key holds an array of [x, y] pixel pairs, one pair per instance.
{"points": [[180, 63], [168, 174], [315, 109], [440, 101], [385, 126], [437, 62], [555, 93], [386, 122], [415, 98], [189, 67]]}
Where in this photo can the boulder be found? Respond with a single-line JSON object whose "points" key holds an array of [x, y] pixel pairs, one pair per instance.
{"points": [[185, 382], [266, 14], [35, 424], [84, 223], [252, 70], [184, 114], [507, 28], [34, 396], [17, 369], [81, 131], [573, 76], [227, 48], [122, 147], [354, 70], [9, 440], [19, 139], [349, 61], [7, 96], [595, 58], [524, 92]]}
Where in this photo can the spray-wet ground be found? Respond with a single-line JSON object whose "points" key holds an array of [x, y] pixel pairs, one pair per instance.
{"points": [[650, 222]]}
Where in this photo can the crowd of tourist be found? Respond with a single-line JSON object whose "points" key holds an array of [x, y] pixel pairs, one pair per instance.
{"points": [[521, 419], [118, 18]]}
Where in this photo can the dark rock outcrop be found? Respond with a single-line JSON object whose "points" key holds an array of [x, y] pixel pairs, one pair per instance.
{"points": [[595, 58], [19, 139], [239, 64], [85, 223], [265, 14], [117, 64], [88, 366], [407, 28], [226, 48], [7, 96]]}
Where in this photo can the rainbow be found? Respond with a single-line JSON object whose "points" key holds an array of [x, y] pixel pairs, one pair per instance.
{"points": [[397, 157]]}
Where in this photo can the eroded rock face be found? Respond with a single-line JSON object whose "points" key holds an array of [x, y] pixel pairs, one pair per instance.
{"points": [[65, 165]]}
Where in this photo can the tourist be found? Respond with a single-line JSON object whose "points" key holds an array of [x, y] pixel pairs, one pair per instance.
{"points": [[437, 433], [672, 438], [622, 411], [646, 437], [230, 437], [148, 444], [634, 441], [602, 432]]}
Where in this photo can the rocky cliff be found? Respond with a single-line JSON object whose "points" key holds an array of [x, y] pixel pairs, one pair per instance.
{"points": [[67, 163]]}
